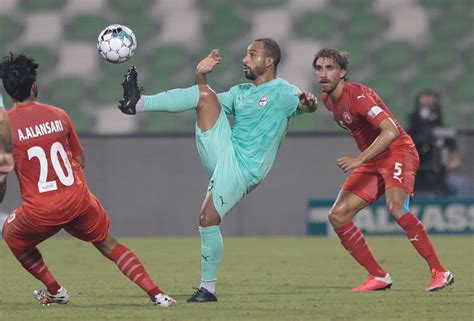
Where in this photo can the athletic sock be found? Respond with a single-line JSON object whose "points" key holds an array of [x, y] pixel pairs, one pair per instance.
{"points": [[211, 252], [354, 242], [33, 262], [174, 101], [132, 268], [209, 286], [140, 104], [416, 233]]}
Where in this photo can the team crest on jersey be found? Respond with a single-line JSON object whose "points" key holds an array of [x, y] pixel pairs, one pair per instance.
{"points": [[347, 117], [263, 101]]}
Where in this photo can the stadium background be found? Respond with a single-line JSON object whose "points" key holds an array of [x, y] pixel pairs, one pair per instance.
{"points": [[146, 169]]}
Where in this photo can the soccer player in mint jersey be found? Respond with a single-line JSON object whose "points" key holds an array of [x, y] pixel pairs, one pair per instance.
{"points": [[49, 162], [237, 159], [387, 164]]}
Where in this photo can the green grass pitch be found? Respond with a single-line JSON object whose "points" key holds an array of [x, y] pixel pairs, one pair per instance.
{"points": [[272, 278]]}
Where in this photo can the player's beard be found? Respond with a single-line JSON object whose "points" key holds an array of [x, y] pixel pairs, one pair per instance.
{"points": [[253, 74], [328, 87]]}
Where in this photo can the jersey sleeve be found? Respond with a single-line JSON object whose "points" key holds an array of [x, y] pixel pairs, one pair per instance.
{"points": [[366, 106], [289, 100], [226, 99], [74, 142]]}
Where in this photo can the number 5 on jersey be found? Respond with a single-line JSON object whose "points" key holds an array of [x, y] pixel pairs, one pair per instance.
{"points": [[66, 179], [397, 171]]}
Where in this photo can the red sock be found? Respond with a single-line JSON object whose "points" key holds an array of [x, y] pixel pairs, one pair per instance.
{"points": [[33, 262], [416, 233], [354, 242], [132, 268]]}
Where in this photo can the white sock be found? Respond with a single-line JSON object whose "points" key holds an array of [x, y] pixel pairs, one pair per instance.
{"points": [[210, 286], [140, 104]]}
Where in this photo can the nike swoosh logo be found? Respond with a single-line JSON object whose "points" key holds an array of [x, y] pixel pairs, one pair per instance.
{"points": [[360, 96]]}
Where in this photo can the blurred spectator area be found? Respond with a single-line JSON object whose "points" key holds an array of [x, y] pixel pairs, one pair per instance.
{"points": [[396, 47]]}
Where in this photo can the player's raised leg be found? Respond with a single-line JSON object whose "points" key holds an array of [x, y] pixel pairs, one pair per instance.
{"points": [[398, 206], [346, 206], [176, 100], [131, 266]]}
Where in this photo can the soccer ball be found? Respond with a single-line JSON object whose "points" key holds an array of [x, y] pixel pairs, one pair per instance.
{"points": [[116, 43]]}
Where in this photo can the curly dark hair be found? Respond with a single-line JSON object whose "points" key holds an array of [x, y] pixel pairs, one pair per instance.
{"points": [[18, 73]]}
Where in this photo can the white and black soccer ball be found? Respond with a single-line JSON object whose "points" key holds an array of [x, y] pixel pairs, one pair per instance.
{"points": [[116, 43]]}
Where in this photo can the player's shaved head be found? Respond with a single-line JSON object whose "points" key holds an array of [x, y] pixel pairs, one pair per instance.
{"points": [[340, 57], [18, 73], [272, 49]]}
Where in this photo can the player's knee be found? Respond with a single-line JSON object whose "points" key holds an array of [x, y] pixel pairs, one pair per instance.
{"points": [[15, 246], [338, 215], [205, 92], [107, 246], [20, 252], [209, 218], [206, 95], [395, 208], [9, 242]]}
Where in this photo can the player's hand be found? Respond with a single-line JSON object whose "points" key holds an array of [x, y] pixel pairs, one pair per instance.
{"points": [[348, 163], [209, 63], [308, 102]]}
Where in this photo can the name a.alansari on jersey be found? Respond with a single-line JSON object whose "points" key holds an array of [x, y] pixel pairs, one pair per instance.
{"points": [[40, 130]]}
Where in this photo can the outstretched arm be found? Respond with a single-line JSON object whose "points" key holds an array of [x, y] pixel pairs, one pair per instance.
{"points": [[389, 132], [308, 102]]}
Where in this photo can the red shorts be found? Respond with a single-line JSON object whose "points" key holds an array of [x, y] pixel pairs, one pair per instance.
{"points": [[22, 234], [391, 169]]}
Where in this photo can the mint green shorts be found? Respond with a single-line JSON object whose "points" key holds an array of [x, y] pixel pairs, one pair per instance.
{"points": [[215, 147]]}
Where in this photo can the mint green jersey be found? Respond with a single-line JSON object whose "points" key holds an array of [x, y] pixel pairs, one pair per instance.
{"points": [[261, 117], [1, 101]]}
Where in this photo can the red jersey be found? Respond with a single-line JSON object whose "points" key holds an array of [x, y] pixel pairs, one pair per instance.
{"points": [[360, 110], [52, 184]]}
